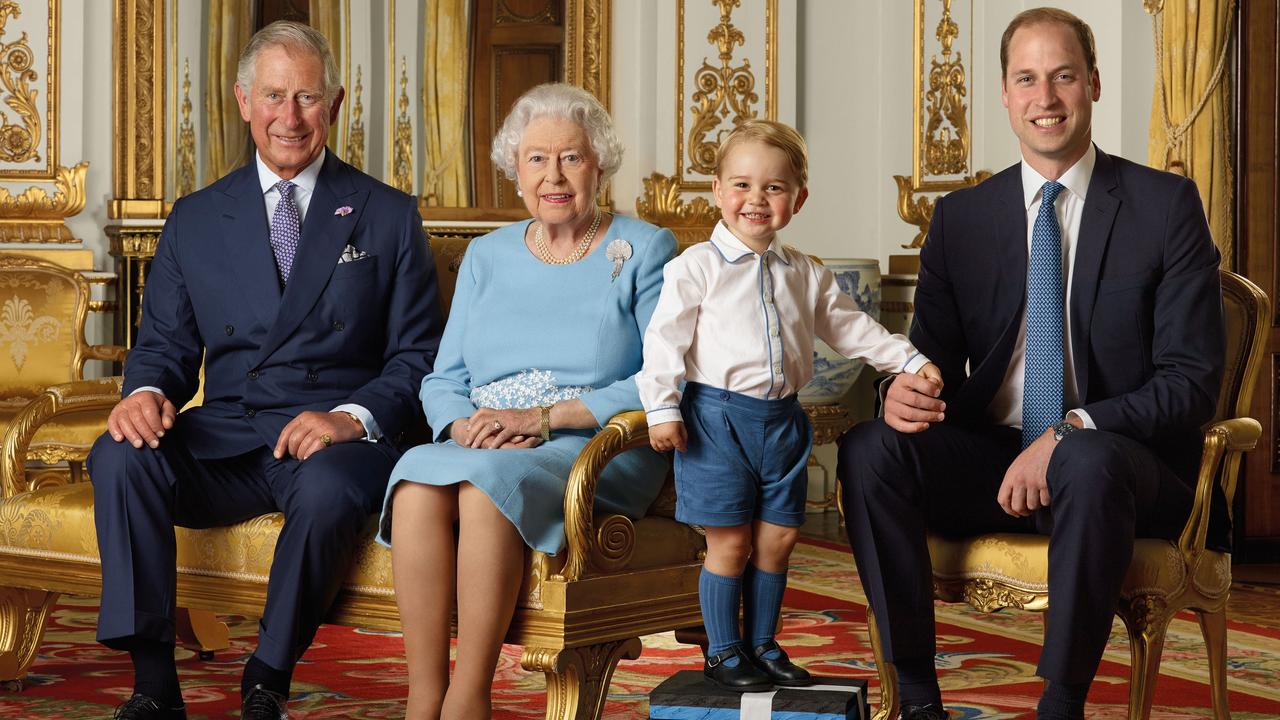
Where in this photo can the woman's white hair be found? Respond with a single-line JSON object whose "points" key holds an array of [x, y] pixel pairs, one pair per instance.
{"points": [[294, 36], [565, 102]]}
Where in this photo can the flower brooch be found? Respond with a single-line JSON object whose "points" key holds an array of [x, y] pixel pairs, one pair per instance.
{"points": [[343, 211], [619, 251]]}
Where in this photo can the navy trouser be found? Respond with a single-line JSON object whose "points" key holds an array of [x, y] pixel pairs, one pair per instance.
{"points": [[1105, 490], [140, 494]]}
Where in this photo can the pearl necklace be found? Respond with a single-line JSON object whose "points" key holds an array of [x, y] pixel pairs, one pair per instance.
{"points": [[544, 252]]}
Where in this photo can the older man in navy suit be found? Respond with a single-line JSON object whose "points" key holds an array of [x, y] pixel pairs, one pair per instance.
{"points": [[306, 289], [1073, 305]]}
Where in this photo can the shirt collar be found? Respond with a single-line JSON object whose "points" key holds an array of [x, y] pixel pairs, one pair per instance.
{"points": [[305, 180], [1075, 179], [732, 249]]}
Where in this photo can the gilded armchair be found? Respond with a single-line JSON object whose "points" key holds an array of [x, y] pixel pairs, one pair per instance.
{"points": [[996, 571], [43, 308], [579, 613]]}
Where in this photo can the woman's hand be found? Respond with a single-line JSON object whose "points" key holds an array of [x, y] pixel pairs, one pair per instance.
{"points": [[490, 428]]}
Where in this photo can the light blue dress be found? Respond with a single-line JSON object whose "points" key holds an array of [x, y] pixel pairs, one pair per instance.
{"points": [[523, 333]]}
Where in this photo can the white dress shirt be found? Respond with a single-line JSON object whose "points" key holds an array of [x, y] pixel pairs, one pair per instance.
{"points": [[305, 183], [1006, 406], [732, 319]]}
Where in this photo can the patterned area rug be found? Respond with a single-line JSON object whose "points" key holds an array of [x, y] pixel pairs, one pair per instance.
{"points": [[987, 661]]}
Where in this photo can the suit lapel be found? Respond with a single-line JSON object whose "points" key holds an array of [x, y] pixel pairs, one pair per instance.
{"points": [[245, 230], [324, 236], [1096, 219], [1010, 231]]}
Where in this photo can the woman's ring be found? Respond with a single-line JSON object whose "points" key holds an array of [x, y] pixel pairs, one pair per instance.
{"points": [[326, 440], [497, 425]]}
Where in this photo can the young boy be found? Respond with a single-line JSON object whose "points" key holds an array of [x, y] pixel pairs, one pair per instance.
{"points": [[735, 323]]}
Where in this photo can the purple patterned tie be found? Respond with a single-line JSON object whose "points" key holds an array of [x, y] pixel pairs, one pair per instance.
{"points": [[285, 230]]}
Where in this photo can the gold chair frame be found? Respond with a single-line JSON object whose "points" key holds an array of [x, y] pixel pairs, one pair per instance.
{"points": [[1194, 577]]}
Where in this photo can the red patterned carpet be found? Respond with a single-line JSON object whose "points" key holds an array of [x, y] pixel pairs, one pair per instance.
{"points": [[987, 660]]}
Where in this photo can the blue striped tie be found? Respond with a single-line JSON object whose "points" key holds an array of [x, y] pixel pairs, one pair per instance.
{"points": [[1042, 378]]}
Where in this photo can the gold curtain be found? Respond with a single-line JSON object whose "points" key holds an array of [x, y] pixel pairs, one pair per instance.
{"points": [[326, 16], [1190, 113], [444, 103], [230, 27]]}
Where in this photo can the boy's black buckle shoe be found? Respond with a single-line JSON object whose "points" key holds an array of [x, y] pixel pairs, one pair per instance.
{"points": [[743, 677], [780, 669]]}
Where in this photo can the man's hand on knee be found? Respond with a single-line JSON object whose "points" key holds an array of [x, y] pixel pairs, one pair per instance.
{"points": [[141, 418], [1026, 488], [313, 431], [912, 403]]}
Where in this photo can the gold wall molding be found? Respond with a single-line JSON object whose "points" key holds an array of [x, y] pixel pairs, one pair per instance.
{"points": [[29, 139], [355, 130], [725, 93], [35, 217], [138, 174], [504, 15], [588, 47], [186, 138], [663, 205], [941, 146], [402, 173]]}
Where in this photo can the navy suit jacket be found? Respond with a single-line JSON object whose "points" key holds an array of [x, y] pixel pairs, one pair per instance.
{"points": [[364, 331], [1146, 306]]}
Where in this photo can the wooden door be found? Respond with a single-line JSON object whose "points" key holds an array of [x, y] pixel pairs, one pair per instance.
{"points": [[1257, 517], [517, 44]]}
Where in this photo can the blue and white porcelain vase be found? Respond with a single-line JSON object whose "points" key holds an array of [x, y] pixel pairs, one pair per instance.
{"points": [[833, 373]]}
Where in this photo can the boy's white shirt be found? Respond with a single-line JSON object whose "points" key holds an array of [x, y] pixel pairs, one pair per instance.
{"points": [[732, 319]]}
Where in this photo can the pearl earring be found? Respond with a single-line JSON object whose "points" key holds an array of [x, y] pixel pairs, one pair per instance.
{"points": [[519, 192]]}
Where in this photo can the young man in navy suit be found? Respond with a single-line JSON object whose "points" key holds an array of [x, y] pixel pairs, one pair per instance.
{"points": [[1074, 306], [307, 290]]}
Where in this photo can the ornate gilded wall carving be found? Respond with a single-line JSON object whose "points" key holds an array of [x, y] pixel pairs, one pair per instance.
{"points": [[940, 145], [402, 175], [35, 216], [355, 131], [186, 139], [138, 110], [29, 89]]}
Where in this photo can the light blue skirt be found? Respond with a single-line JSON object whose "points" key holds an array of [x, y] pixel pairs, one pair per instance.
{"points": [[528, 485]]}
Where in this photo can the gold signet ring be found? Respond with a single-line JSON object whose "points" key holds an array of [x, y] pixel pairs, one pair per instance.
{"points": [[326, 440]]}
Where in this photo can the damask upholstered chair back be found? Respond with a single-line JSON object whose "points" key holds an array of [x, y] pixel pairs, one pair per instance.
{"points": [[42, 314]]}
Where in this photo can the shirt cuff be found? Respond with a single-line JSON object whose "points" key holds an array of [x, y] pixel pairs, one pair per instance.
{"points": [[372, 432], [663, 415], [148, 388], [1089, 424], [914, 363]]}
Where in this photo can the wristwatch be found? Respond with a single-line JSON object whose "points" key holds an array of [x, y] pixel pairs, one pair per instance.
{"points": [[1063, 429]]}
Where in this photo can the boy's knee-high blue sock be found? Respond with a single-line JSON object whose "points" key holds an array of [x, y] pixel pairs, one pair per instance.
{"points": [[719, 597], [761, 603]]}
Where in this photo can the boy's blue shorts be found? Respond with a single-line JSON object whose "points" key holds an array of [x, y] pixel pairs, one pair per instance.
{"points": [[746, 459]]}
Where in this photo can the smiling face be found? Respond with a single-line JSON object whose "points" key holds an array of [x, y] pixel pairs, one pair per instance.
{"points": [[1050, 92], [286, 110], [557, 173], [757, 192]]}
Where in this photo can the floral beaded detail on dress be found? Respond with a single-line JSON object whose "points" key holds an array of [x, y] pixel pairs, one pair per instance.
{"points": [[525, 389]]}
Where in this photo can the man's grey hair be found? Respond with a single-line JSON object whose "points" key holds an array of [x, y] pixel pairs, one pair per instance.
{"points": [[564, 102], [294, 36]]}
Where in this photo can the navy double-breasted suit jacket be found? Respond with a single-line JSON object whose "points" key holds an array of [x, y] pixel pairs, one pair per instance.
{"points": [[1146, 306], [364, 331]]}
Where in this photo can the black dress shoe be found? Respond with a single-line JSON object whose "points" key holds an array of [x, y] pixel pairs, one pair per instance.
{"points": [[780, 669], [142, 707], [932, 711], [743, 677], [262, 704]]}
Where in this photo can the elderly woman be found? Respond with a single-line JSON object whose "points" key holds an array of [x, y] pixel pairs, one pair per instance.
{"points": [[541, 349]]}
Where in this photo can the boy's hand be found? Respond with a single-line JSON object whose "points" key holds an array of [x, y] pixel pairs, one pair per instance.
{"points": [[931, 372], [912, 401], [668, 436]]}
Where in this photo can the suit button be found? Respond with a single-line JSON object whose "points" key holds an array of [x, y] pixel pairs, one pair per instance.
{"points": [[313, 376], [229, 330], [250, 412], [253, 374], [338, 326]]}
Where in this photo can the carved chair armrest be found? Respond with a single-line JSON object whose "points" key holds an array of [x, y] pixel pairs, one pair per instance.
{"points": [[112, 353], [56, 400], [625, 431], [1225, 443]]}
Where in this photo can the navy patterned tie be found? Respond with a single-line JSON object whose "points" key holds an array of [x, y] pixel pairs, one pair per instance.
{"points": [[1042, 376], [285, 230]]}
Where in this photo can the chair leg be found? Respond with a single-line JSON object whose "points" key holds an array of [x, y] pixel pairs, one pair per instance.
{"points": [[1214, 627], [23, 616], [1146, 619], [578, 678], [888, 675], [203, 630]]}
